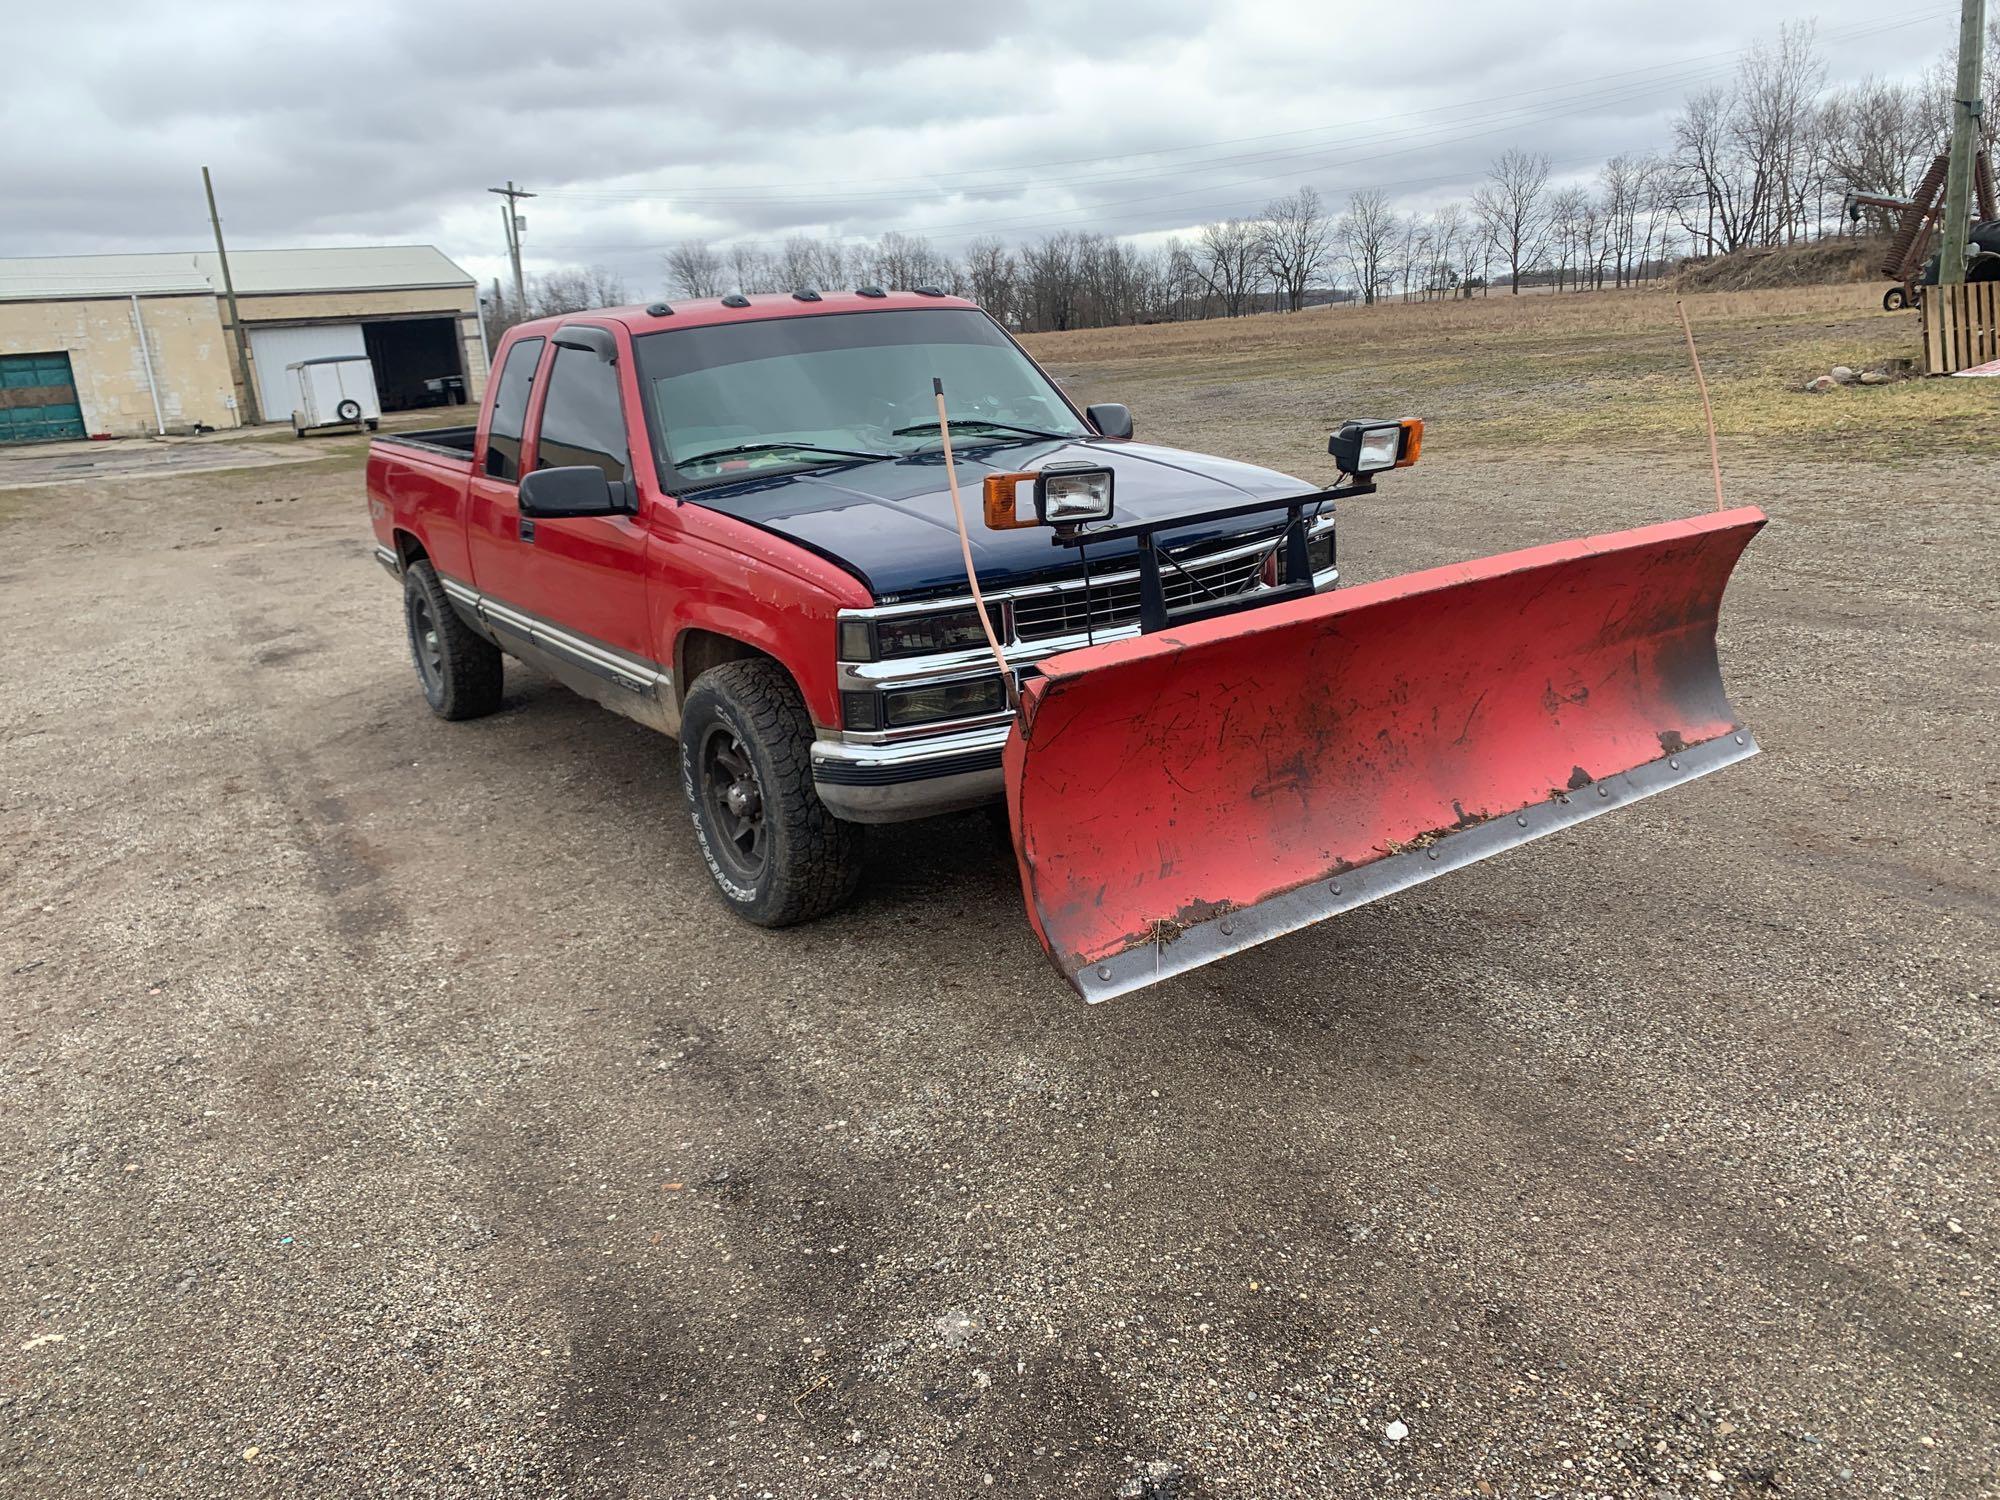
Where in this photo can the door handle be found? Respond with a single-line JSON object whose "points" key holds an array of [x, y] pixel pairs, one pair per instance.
{"points": [[527, 529]]}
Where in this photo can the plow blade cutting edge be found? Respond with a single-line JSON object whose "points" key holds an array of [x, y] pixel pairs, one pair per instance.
{"points": [[1181, 796]]}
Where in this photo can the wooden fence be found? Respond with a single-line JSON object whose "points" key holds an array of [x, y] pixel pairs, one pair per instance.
{"points": [[1961, 326]]}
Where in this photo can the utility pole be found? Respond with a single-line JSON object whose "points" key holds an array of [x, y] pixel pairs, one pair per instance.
{"points": [[1965, 107], [229, 296], [513, 223]]}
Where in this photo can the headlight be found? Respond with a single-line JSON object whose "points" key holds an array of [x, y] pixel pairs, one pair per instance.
{"points": [[1065, 496], [951, 700], [909, 635], [1370, 447]]}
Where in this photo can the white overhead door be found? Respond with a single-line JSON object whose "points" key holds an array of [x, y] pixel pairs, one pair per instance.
{"points": [[272, 349]]}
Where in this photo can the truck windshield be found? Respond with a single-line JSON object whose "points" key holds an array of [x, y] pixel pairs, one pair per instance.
{"points": [[728, 399]]}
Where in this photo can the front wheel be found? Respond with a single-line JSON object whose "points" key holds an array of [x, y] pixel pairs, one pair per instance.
{"points": [[1895, 299], [774, 851]]}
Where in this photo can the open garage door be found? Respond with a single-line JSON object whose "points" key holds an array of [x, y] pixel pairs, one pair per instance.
{"points": [[272, 349], [418, 361]]}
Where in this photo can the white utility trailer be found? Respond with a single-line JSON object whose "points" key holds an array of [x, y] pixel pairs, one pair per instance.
{"points": [[335, 390]]}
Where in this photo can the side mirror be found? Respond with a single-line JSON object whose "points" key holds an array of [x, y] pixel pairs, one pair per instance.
{"points": [[1111, 420], [582, 490]]}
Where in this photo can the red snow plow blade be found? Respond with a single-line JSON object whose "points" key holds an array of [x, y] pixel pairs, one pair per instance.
{"points": [[1184, 795]]}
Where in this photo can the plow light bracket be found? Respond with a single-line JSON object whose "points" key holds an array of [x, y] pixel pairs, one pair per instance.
{"points": [[1368, 447], [1065, 495]]}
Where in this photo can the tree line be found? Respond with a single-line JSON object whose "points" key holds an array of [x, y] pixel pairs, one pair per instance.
{"points": [[1766, 159]]}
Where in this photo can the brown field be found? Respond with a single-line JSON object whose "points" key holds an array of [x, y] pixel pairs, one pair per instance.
{"points": [[1607, 370]]}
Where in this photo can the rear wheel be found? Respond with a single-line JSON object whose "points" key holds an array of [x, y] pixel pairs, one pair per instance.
{"points": [[459, 671], [774, 851]]}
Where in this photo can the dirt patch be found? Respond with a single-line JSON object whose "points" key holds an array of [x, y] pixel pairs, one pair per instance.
{"points": [[391, 1109]]}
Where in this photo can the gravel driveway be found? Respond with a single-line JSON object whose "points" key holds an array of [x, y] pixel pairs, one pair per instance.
{"points": [[388, 1108]]}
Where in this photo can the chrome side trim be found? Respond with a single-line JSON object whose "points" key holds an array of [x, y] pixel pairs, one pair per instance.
{"points": [[389, 560], [1232, 932], [633, 673]]}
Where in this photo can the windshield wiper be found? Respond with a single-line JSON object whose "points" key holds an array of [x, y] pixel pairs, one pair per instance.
{"points": [[957, 422], [779, 447]]}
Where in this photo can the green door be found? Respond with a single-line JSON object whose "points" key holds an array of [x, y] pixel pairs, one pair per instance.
{"points": [[38, 399]]}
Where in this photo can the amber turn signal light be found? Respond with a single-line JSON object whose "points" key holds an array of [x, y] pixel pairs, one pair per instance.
{"points": [[1003, 504], [1413, 442]]}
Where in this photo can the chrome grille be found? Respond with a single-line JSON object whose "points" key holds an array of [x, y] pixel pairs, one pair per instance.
{"points": [[1069, 610]]}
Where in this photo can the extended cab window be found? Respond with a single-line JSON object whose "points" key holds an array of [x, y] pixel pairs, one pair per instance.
{"points": [[510, 410], [582, 421]]}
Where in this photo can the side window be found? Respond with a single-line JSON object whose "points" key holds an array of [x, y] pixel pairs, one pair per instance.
{"points": [[582, 421], [510, 410]]}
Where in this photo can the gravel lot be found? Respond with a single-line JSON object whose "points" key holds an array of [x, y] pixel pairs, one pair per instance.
{"points": [[387, 1107]]}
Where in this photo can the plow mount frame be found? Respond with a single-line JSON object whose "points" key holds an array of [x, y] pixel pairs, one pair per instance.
{"points": [[1154, 612]]}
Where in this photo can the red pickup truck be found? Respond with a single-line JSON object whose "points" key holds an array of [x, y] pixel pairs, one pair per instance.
{"points": [[729, 519]]}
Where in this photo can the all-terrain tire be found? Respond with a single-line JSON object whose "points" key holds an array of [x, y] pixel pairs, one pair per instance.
{"points": [[459, 671], [797, 861]]}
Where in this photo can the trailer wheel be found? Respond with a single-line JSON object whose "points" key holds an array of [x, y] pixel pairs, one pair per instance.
{"points": [[459, 672], [1895, 299], [348, 410], [774, 851]]}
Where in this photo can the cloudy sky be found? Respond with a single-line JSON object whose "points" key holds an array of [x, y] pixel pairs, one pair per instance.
{"points": [[640, 124]]}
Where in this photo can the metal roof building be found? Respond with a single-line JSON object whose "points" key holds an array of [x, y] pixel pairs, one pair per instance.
{"points": [[122, 345]]}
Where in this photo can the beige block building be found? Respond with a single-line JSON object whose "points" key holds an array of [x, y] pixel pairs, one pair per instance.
{"points": [[131, 345]]}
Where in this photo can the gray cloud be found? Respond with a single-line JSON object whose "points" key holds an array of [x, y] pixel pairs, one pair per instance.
{"points": [[643, 123]]}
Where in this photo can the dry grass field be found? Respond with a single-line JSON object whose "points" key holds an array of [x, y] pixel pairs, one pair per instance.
{"points": [[1608, 370]]}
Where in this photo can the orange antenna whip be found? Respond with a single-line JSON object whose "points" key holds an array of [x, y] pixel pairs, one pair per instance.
{"points": [[965, 547], [1707, 411]]}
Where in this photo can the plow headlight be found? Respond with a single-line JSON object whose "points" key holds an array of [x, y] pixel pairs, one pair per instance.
{"points": [[1066, 496], [1370, 447]]}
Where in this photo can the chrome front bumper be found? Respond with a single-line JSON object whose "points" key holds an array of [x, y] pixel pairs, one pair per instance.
{"points": [[895, 783]]}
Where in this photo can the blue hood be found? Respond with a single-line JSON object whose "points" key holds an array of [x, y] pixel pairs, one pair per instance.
{"points": [[890, 524]]}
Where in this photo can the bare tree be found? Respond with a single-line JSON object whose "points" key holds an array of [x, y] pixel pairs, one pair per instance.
{"points": [[751, 270], [992, 273], [1180, 279], [1226, 258], [1510, 206], [1367, 238], [575, 289], [1049, 282], [1877, 138], [1298, 237], [1745, 154], [694, 269], [1445, 239]]}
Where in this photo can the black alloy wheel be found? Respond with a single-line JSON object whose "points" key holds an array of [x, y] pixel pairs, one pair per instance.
{"points": [[426, 646], [776, 854], [734, 800]]}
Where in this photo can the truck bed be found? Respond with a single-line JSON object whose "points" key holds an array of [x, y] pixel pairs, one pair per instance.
{"points": [[452, 442]]}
